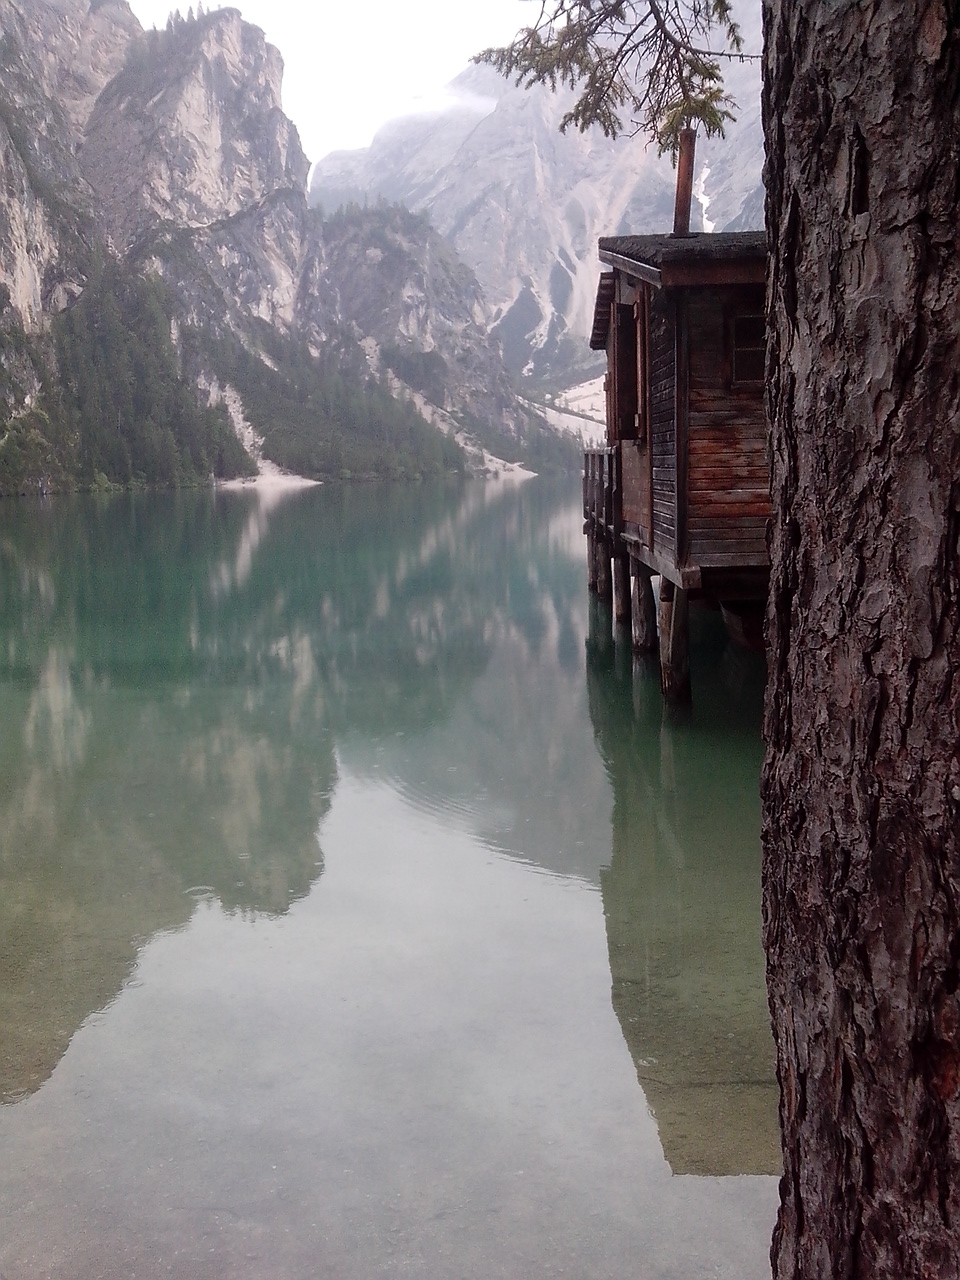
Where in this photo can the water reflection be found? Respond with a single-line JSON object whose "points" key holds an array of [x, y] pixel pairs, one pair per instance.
{"points": [[681, 897], [306, 797], [174, 674]]}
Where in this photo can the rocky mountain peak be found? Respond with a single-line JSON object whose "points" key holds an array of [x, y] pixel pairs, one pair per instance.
{"points": [[524, 205], [158, 168], [71, 48], [191, 130], [55, 58]]}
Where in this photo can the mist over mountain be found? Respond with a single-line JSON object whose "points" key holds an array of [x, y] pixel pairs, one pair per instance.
{"points": [[524, 205]]}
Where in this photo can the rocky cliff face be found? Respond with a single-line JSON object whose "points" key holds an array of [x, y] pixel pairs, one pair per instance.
{"points": [[170, 150], [191, 130], [55, 58], [418, 310], [524, 205]]}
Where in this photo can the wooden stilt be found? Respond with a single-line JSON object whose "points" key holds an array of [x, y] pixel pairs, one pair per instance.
{"points": [[604, 580], [600, 632], [644, 610], [592, 560], [621, 588], [674, 643]]}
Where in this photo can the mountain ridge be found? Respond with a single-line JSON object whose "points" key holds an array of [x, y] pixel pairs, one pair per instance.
{"points": [[168, 152], [524, 205]]}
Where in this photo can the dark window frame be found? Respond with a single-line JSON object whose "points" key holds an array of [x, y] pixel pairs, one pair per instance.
{"points": [[747, 348]]}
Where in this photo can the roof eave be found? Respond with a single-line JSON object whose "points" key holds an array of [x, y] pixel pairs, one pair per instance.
{"points": [[731, 271], [690, 272], [606, 290], [630, 267]]}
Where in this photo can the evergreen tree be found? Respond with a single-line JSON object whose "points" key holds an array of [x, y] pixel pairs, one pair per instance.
{"points": [[636, 63], [136, 418]]}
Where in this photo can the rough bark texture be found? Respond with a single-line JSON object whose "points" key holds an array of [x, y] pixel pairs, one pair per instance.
{"points": [[861, 785]]}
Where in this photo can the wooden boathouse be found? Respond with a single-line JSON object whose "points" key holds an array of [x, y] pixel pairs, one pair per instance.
{"points": [[680, 488]]}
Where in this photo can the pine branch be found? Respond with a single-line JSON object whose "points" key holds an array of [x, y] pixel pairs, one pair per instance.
{"points": [[637, 65]]}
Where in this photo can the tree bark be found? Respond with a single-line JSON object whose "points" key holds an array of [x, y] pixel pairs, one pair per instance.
{"points": [[861, 783]]}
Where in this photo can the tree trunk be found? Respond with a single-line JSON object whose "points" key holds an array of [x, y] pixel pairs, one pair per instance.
{"points": [[861, 784]]}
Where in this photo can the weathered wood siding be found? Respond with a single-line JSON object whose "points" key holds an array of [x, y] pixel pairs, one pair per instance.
{"points": [[636, 488], [728, 483], [625, 354], [663, 430]]}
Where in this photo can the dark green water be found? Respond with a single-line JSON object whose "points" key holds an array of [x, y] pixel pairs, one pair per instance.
{"points": [[360, 911]]}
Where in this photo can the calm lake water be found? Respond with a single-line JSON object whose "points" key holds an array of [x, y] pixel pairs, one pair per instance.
{"points": [[361, 913]]}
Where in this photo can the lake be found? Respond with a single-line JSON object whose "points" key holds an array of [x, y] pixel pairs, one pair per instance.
{"points": [[362, 912]]}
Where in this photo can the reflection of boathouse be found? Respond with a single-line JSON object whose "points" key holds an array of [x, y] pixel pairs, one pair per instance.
{"points": [[680, 902], [681, 486]]}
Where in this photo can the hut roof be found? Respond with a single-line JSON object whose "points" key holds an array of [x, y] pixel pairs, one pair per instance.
{"points": [[698, 248], [700, 259], [601, 311]]}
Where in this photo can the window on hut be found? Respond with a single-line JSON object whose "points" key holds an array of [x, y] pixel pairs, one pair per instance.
{"points": [[749, 348]]}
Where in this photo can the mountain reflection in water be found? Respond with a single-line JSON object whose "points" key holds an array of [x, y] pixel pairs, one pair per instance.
{"points": [[311, 799], [171, 700]]}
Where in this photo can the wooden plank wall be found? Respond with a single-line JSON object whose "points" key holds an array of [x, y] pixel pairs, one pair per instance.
{"points": [[663, 438], [636, 487], [626, 372], [728, 477]]}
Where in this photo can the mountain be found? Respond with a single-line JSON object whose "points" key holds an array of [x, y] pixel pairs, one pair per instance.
{"points": [[191, 130], [54, 60], [524, 205], [155, 236]]}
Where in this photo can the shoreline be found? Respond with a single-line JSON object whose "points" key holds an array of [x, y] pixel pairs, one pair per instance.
{"points": [[267, 480]]}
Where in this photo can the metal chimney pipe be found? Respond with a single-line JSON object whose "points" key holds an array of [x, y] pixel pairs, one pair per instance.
{"points": [[685, 159]]}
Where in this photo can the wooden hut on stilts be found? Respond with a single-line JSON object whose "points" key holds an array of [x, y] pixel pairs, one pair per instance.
{"points": [[680, 487]]}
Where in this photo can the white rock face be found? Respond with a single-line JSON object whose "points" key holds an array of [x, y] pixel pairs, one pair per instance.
{"points": [[194, 148], [57, 57], [256, 259], [388, 277], [28, 243], [85, 50], [74, 48], [524, 205]]}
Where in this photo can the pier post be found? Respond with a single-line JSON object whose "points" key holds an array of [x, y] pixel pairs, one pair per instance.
{"points": [[621, 587], [591, 559], [644, 610], [604, 582], [674, 642]]}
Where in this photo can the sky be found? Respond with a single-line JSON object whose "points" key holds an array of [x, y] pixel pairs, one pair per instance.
{"points": [[349, 67]]}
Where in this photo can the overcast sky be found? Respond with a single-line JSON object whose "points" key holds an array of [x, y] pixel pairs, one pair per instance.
{"points": [[352, 66]]}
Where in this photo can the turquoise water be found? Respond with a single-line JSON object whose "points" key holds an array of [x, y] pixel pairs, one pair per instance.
{"points": [[360, 910]]}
